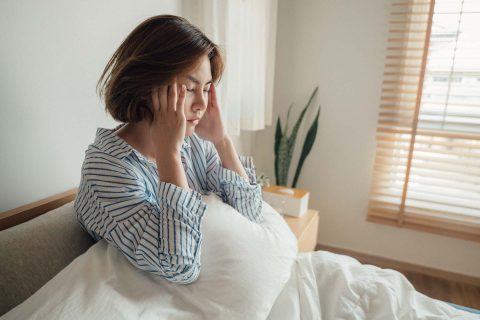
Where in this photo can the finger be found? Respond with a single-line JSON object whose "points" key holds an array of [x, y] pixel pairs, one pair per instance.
{"points": [[181, 100], [155, 101], [172, 96], [213, 96], [163, 98]]}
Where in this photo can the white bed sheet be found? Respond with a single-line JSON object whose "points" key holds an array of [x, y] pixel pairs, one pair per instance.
{"points": [[249, 272], [324, 285], [244, 267]]}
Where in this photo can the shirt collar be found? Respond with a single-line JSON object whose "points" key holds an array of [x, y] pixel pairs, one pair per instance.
{"points": [[107, 141]]}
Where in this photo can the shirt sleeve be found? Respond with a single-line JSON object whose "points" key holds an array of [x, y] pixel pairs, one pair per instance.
{"points": [[244, 196], [157, 233]]}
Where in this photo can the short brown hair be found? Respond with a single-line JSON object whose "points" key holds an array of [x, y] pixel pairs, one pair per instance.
{"points": [[156, 51]]}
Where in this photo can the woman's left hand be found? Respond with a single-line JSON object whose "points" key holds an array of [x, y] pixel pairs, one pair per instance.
{"points": [[211, 127]]}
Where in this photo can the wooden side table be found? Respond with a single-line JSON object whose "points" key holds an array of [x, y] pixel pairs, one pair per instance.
{"points": [[305, 229]]}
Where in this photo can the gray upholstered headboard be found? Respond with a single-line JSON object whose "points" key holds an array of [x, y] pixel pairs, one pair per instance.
{"points": [[33, 252]]}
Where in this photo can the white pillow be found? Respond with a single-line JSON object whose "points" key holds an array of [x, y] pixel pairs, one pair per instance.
{"points": [[244, 268]]}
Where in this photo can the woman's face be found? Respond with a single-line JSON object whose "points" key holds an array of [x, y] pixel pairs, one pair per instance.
{"points": [[198, 84]]}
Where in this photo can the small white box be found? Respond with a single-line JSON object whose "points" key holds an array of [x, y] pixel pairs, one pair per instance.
{"points": [[287, 201]]}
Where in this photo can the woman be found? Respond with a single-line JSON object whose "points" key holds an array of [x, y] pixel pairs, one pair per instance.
{"points": [[142, 182]]}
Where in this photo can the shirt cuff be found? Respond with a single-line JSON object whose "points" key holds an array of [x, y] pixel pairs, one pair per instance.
{"points": [[188, 205], [249, 166], [227, 176]]}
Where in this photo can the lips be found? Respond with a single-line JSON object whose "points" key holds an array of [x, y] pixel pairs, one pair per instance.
{"points": [[194, 121]]}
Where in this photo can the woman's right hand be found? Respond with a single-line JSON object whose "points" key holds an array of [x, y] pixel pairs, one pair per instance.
{"points": [[167, 130]]}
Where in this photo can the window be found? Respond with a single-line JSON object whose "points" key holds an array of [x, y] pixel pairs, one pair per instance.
{"points": [[427, 165]]}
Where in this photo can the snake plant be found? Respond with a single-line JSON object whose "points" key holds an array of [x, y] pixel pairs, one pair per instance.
{"points": [[285, 144]]}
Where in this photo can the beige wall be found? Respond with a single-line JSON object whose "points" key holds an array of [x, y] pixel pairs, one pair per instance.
{"points": [[340, 45], [51, 60], [52, 53]]}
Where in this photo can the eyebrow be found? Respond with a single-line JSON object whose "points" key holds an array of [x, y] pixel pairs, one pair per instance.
{"points": [[192, 78]]}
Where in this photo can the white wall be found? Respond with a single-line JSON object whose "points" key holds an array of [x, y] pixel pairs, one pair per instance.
{"points": [[340, 45], [51, 56]]}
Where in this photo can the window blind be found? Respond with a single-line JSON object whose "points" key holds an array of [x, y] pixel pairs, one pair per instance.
{"points": [[427, 164]]}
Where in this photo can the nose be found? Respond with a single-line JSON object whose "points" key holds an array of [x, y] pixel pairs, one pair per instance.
{"points": [[199, 103]]}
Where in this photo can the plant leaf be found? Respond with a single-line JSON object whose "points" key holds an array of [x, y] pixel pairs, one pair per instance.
{"points": [[278, 137], [307, 147], [288, 118], [293, 135], [283, 161]]}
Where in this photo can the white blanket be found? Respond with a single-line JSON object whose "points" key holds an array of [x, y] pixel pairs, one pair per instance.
{"points": [[244, 267], [324, 285], [249, 271]]}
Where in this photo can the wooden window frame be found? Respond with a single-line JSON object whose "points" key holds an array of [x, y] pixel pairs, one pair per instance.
{"points": [[396, 216]]}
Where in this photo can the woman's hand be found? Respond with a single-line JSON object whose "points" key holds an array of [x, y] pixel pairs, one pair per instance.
{"points": [[210, 127], [167, 130]]}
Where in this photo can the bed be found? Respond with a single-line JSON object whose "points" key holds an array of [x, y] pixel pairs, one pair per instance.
{"points": [[52, 269]]}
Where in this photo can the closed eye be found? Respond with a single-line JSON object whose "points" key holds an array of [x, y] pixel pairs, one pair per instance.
{"points": [[192, 90]]}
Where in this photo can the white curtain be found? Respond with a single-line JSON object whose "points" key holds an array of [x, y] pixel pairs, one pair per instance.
{"points": [[245, 30]]}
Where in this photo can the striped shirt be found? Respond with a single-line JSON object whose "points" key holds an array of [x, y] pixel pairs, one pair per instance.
{"points": [[156, 224]]}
